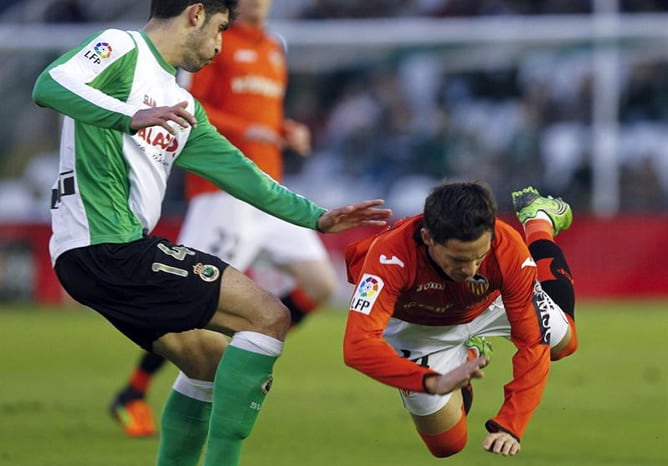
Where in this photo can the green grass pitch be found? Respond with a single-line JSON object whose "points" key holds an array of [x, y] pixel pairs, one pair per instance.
{"points": [[606, 405]]}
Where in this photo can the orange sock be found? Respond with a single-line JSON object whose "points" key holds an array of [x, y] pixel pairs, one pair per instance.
{"points": [[303, 301], [538, 229], [447, 443], [140, 380], [299, 304]]}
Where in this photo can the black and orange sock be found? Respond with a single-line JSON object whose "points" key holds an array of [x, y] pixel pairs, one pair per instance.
{"points": [[554, 274], [299, 304], [141, 377]]}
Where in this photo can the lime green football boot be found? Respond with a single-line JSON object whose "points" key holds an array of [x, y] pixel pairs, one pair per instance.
{"points": [[528, 202], [481, 346]]}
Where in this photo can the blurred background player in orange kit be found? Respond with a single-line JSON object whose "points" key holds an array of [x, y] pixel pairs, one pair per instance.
{"points": [[431, 288], [242, 91]]}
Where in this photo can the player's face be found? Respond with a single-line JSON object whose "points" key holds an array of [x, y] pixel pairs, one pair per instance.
{"points": [[460, 260], [204, 42]]}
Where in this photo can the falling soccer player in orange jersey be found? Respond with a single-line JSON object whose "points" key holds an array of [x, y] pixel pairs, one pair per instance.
{"points": [[432, 287]]}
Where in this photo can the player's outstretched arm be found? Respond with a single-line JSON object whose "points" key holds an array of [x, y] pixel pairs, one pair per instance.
{"points": [[456, 378], [365, 213], [501, 443]]}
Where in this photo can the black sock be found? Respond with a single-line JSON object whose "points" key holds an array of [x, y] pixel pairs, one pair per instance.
{"points": [[151, 362], [467, 397], [296, 313], [129, 394]]}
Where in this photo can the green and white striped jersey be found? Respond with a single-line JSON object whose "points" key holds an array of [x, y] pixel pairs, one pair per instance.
{"points": [[112, 180]]}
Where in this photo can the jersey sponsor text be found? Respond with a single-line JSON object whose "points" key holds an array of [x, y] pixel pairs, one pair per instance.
{"points": [[253, 84]]}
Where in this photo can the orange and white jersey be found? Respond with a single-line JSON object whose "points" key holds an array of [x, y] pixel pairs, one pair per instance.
{"points": [[397, 283], [245, 85]]}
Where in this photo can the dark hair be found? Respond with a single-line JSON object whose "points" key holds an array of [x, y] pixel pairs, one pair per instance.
{"points": [[462, 211], [164, 9]]}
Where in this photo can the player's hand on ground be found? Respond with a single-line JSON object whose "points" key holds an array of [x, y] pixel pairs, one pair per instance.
{"points": [[162, 116], [501, 443], [456, 378], [364, 213], [297, 137]]}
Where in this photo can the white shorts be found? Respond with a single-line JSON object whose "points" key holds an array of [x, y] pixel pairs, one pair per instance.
{"points": [[442, 347], [238, 233]]}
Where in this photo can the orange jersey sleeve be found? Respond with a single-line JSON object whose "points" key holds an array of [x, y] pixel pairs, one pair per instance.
{"points": [[379, 285], [245, 85]]}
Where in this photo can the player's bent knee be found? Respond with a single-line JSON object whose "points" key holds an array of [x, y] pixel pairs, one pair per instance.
{"points": [[270, 317], [566, 351], [447, 443], [569, 347], [279, 318]]}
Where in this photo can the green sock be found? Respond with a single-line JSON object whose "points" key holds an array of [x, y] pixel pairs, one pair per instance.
{"points": [[242, 380], [184, 426]]}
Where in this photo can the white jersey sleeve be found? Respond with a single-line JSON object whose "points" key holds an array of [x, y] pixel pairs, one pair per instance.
{"points": [[72, 85]]}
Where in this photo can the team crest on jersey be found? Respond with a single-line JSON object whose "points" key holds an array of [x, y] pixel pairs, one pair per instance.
{"points": [[366, 293], [478, 285], [103, 50], [207, 272]]}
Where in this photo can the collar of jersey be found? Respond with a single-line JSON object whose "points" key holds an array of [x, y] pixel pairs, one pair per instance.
{"points": [[156, 53]]}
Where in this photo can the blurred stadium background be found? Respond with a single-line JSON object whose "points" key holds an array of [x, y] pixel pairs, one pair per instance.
{"points": [[570, 96]]}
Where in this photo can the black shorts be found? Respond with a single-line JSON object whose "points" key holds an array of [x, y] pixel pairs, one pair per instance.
{"points": [[145, 288]]}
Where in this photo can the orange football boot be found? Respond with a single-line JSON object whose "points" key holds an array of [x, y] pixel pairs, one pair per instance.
{"points": [[135, 417]]}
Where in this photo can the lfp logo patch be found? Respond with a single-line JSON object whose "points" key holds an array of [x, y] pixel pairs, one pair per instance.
{"points": [[366, 294], [103, 50]]}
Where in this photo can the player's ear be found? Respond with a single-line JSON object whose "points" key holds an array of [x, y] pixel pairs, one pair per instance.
{"points": [[426, 237], [196, 14]]}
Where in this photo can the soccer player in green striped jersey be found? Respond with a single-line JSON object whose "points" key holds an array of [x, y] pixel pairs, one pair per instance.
{"points": [[127, 123]]}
